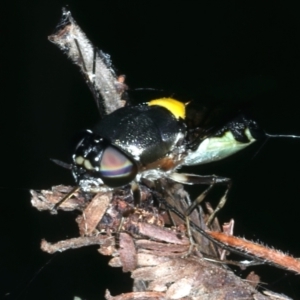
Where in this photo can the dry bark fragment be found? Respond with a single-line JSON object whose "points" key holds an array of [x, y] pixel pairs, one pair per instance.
{"points": [[127, 252], [157, 256], [93, 213]]}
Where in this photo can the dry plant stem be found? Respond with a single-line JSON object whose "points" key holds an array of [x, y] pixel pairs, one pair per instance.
{"points": [[73, 243], [270, 255], [95, 65]]}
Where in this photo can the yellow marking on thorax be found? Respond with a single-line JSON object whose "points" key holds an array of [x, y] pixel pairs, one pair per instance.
{"points": [[176, 107]]}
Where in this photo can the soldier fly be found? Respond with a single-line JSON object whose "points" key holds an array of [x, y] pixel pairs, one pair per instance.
{"points": [[193, 141], [148, 141]]}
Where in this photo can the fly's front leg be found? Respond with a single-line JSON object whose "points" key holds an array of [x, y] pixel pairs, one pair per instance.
{"points": [[136, 193], [65, 198]]}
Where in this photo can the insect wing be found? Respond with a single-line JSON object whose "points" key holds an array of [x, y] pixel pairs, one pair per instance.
{"points": [[213, 135]]}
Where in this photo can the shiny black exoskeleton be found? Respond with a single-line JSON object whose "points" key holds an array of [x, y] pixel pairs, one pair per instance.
{"points": [[130, 140]]}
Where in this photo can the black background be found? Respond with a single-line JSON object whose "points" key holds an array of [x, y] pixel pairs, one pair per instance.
{"points": [[221, 51]]}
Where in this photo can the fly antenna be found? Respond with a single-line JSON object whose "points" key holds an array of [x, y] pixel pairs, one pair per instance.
{"points": [[62, 164], [289, 136]]}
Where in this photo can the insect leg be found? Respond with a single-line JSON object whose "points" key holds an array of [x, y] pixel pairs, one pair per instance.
{"points": [[136, 193], [65, 198], [220, 204], [210, 180], [198, 200]]}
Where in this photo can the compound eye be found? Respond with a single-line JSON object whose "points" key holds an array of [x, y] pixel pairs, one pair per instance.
{"points": [[116, 168]]}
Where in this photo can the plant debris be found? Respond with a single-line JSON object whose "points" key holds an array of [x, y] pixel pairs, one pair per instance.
{"points": [[169, 255]]}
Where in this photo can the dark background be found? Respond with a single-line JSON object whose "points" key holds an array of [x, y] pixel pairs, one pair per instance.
{"points": [[215, 51]]}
